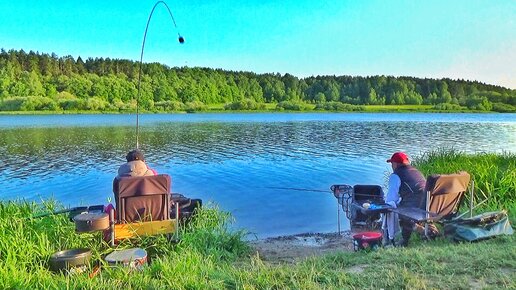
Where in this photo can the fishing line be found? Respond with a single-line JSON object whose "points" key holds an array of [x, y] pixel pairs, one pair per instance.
{"points": [[180, 39], [298, 189]]}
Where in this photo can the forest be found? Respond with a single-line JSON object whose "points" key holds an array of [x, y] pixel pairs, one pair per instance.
{"points": [[36, 81]]}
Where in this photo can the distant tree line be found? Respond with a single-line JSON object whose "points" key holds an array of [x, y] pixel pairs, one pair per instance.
{"points": [[40, 81]]}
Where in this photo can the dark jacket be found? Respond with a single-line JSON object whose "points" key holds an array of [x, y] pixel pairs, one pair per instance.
{"points": [[412, 189]]}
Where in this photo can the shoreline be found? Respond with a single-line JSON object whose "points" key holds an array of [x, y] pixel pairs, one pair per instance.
{"points": [[386, 109], [291, 248]]}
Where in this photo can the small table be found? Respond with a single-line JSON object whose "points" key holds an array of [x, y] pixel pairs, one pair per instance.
{"points": [[416, 214]]}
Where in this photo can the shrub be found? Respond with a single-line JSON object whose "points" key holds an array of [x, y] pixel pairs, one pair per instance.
{"points": [[38, 103], [246, 104], [503, 108], [447, 107], [12, 104], [72, 104], [195, 106], [96, 104], [338, 106], [168, 106], [479, 103], [292, 106]]}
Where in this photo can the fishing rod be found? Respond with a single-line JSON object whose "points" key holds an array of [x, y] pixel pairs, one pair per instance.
{"points": [[66, 210], [180, 39], [317, 190], [75, 210], [298, 189]]}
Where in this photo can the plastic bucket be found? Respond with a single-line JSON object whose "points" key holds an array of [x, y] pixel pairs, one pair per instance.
{"points": [[367, 241]]}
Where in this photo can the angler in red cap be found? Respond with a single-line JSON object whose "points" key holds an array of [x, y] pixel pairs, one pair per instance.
{"points": [[406, 189]]}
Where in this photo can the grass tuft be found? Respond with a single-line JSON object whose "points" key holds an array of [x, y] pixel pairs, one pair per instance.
{"points": [[494, 174]]}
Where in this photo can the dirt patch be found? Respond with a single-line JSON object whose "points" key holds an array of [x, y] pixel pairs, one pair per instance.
{"points": [[476, 284], [357, 269], [296, 247]]}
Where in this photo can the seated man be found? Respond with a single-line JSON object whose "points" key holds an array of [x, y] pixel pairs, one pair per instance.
{"points": [[135, 165], [406, 189]]}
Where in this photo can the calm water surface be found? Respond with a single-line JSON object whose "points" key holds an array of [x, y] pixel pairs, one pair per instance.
{"points": [[237, 161]]}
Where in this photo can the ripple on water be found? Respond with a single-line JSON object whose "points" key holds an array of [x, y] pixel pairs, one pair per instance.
{"points": [[236, 160]]}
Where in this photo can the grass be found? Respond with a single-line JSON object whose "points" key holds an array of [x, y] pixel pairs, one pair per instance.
{"points": [[494, 175], [209, 256]]}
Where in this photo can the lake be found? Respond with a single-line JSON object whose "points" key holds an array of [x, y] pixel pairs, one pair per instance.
{"points": [[235, 161]]}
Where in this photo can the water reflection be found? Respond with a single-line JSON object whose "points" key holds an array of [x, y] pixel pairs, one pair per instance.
{"points": [[234, 160]]}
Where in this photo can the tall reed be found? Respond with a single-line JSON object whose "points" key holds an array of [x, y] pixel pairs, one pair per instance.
{"points": [[494, 175]]}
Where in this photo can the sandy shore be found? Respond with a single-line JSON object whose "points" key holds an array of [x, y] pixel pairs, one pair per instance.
{"points": [[295, 247]]}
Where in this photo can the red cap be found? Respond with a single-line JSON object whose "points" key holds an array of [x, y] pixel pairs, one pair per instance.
{"points": [[398, 157]]}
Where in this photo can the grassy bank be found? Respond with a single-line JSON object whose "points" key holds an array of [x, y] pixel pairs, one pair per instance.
{"points": [[268, 107], [494, 175], [209, 256]]}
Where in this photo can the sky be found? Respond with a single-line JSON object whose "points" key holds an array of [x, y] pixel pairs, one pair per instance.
{"points": [[458, 39]]}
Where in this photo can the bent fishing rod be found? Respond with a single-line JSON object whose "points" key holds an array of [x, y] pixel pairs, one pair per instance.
{"points": [[180, 39]]}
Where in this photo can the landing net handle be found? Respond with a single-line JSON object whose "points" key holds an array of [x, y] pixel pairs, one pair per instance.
{"points": [[344, 195]]}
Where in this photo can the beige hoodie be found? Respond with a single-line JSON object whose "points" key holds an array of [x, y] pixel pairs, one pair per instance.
{"points": [[134, 168]]}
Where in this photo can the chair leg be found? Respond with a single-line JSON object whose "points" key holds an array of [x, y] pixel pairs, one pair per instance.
{"points": [[338, 217], [112, 227], [177, 220]]}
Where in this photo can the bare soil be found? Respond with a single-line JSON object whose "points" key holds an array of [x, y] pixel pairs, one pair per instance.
{"points": [[293, 248]]}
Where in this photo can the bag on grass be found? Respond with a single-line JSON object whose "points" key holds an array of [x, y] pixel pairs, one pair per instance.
{"points": [[186, 205], [479, 227]]}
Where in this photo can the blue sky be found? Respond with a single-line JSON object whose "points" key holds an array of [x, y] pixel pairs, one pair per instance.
{"points": [[469, 39]]}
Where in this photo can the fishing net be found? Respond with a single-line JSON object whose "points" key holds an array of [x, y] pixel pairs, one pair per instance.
{"points": [[344, 195]]}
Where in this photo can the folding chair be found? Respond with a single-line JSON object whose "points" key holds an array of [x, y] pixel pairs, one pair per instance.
{"points": [[142, 207], [445, 194], [142, 198]]}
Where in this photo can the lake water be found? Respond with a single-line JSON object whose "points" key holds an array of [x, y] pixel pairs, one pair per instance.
{"points": [[236, 161]]}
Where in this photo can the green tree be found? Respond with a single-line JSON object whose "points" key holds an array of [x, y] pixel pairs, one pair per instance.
{"points": [[372, 98]]}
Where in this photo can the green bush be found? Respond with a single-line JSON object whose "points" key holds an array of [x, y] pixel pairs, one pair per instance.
{"points": [[96, 104], [38, 103], [503, 108], [169, 106], [30, 103], [12, 104], [195, 106], [338, 106], [72, 104], [479, 103], [292, 106], [246, 104], [447, 107]]}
